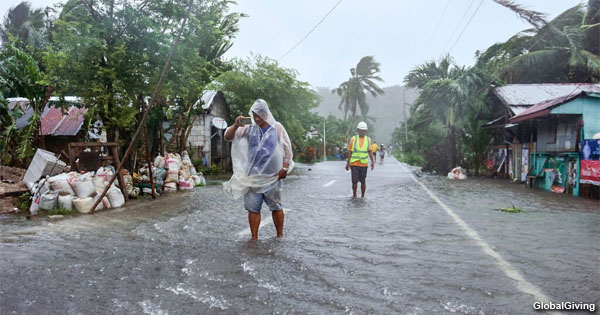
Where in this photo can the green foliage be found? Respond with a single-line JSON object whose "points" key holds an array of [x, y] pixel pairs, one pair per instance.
{"points": [[211, 170], [474, 142], [25, 23], [335, 138], [23, 77], [451, 97], [426, 145], [289, 99], [563, 50], [24, 202], [111, 53], [9, 132], [411, 158]]}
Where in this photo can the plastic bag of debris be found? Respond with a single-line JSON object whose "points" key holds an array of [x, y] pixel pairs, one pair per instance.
{"points": [[457, 173], [61, 182], [49, 200]]}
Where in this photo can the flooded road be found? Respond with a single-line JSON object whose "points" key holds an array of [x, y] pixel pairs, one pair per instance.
{"points": [[414, 245]]}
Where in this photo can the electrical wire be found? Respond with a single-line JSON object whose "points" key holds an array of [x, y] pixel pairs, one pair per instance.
{"points": [[309, 32], [459, 23], [467, 25], [436, 28]]}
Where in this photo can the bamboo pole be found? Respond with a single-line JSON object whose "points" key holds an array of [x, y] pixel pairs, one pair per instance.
{"points": [[148, 160], [152, 100]]}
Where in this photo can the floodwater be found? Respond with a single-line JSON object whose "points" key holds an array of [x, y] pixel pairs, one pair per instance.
{"points": [[398, 251]]}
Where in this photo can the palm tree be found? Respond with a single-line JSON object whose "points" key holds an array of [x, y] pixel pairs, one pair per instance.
{"points": [[353, 91], [591, 26], [447, 93], [24, 23], [562, 50]]}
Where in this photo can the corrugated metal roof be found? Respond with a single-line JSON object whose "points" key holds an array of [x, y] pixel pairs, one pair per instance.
{"points": [[71, 123], [543, 108], [54, 121], [517, 109], [51, 118], [207, 97], [530, 94]]}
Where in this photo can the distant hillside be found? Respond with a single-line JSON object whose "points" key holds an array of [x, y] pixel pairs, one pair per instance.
{"points": [[387, 108]]}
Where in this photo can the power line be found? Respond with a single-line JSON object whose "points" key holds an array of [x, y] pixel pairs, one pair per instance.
{"points": [[467, 25], [305, 36], [531, 47], [487, 85], [436, 28], [459, 23]]}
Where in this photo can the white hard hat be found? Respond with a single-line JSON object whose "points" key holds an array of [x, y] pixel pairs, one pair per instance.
{"points": [[362, 126]]}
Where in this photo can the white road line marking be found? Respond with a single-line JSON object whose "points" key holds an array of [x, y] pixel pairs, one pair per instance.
{"points": [[329, 183], [522, 284], [264, 222]]}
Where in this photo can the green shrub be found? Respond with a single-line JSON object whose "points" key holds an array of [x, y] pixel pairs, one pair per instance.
{"points": [[24, 201], [213, 169], [410, 158]]}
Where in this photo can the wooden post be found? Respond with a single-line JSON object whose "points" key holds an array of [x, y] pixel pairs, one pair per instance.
{"points": [[148, 160], [117, 161], [152, 100]]}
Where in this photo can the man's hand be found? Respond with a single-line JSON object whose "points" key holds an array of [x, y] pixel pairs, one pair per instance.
{"points": [[230, 132], [347, 167], [238, 121], [282, 174], [372, 166]]}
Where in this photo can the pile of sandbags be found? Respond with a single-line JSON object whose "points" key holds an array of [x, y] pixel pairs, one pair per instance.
{"points": [[131, 190], [79, 191], [173, 166], [189, 172], [159, 175], [174, 172], [65, 201], [49, 200]]}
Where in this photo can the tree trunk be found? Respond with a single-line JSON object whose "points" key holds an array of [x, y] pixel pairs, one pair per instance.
{"points": [[186, 134], [452, 143], [352, 120], [161, 142]]}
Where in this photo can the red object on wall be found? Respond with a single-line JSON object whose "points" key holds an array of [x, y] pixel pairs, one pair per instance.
{"points": [[590, 172]]}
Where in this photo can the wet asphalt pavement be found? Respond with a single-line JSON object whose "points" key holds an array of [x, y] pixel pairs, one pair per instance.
{"points": [[414, 245]]}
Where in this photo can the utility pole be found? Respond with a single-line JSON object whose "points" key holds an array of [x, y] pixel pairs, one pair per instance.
{"points": [[405, 120], [324, 142]]}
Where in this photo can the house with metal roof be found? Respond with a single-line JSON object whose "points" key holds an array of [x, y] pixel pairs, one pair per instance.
{"points": [[206, 136], [59, 124], [514, 141], [566, 155]]}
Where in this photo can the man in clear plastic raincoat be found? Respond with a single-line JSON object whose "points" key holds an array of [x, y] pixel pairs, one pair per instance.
{"points": [[261, 154]]}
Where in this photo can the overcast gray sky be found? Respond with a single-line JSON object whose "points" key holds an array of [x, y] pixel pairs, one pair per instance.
{"points": [[395, 32]]}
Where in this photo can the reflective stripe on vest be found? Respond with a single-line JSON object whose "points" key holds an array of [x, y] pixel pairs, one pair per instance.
{"points": [[360, 153]]}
